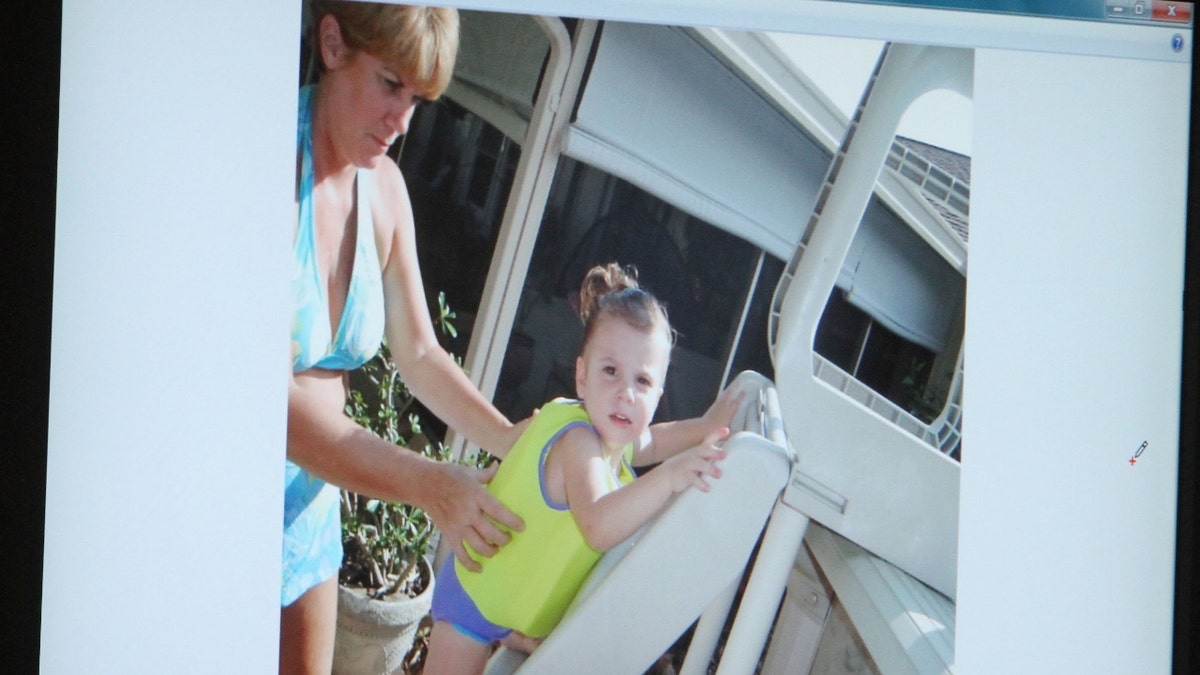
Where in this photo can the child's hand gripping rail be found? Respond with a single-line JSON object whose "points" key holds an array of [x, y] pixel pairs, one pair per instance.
{"points": [[644, 593]]}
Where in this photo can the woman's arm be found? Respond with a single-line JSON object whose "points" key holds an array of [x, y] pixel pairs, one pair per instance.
{"points": [[465, 510], [606, 518], [332, 447], [666, 439], [428, 371]]}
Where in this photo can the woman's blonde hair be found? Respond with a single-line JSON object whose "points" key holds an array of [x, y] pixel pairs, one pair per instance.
{"points": [[612, 290], [418, 43]]}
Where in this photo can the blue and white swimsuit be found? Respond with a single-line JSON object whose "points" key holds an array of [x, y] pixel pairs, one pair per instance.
{"points": [[312, 541]]}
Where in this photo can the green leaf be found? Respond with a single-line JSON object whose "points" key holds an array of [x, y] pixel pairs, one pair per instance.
{"points": [[445, 314]]}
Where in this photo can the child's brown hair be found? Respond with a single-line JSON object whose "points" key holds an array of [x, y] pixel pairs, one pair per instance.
{"points": [[612, 290]]}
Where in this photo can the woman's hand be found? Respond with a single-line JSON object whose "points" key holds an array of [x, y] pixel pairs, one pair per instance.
{"points": [[506, 439], [467, 514]]}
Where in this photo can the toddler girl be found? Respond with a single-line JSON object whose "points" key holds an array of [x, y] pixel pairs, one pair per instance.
{"points": [[570, 478]]}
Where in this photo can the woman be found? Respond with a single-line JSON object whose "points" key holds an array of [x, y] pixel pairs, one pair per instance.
{"points": [[355, 278]]}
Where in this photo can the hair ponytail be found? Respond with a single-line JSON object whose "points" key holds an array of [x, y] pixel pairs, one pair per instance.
{"points": [[612, 290]]}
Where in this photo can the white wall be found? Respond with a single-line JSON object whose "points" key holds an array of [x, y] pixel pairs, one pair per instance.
{"points": [[1066, 550], [169, 354]]}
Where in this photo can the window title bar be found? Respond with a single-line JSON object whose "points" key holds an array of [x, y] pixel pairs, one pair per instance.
{"points": [[1148, 11]]}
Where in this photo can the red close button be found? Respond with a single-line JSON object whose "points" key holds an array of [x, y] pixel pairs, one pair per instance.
{"points": [[1179, 12]]}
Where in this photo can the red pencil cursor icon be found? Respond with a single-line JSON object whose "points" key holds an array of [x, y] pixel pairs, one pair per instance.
{"points": [[1141, 448]]}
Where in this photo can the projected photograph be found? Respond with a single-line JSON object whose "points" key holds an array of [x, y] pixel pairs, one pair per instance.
{"points": [[800, 207]]}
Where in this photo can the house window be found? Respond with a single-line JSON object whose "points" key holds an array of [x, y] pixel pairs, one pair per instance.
{"points": [[702, 274], [894, 318], [896, 368], [459, 170]]}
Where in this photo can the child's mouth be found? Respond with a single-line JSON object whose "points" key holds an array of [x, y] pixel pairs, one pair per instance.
{"points": [[619, 419]]}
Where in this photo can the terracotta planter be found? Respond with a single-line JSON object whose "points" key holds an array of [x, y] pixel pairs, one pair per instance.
{"points": [[374, 636]]}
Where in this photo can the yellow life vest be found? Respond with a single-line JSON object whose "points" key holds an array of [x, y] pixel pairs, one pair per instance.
{"points": [[530, 582]]}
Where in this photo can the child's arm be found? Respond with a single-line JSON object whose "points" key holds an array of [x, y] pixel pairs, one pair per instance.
{"points": [[667, 439], [606, 518]]}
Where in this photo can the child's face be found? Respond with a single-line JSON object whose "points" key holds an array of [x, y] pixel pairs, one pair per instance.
{"points": [[620, 378]]}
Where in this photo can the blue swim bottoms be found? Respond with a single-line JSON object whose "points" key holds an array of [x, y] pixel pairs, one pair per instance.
{"points": [[452, 605]]}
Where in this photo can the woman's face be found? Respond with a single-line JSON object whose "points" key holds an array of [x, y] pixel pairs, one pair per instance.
{"points": [[372, 104]]}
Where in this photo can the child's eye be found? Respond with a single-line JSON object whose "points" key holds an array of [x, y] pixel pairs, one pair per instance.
{"points": [[645, 382]]}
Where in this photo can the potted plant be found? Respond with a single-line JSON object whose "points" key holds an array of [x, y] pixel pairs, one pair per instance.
{"points": [[386, 579]]}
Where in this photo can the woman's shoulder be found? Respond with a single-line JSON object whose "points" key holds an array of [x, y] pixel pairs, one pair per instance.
{"points": [[391, 211], [388, 186]]}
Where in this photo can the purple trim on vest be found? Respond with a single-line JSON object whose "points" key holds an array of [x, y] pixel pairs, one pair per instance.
{"points": [[546, 453]]}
